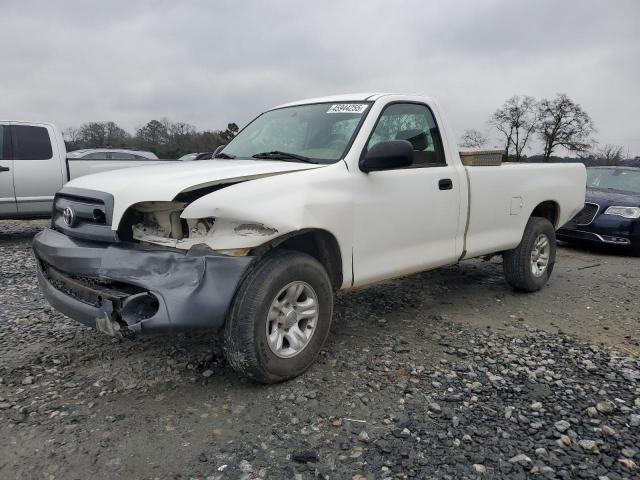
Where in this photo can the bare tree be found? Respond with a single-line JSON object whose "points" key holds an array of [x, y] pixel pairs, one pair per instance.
{"points": [[91, 135], [516, 120], [153, 136], [115, 136], [70, 135], [96, 134], [473, 138], [611, 154], [563, 123], [180, 138]]}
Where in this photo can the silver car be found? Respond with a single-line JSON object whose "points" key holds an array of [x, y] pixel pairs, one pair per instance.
{"points": [[112, 154]]}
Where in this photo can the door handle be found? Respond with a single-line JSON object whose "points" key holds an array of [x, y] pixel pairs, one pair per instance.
{"points": [[4, 169], [445, 184]]}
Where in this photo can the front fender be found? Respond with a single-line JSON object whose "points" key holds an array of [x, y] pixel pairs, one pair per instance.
{"points": [[281, 204], [252, 213]]}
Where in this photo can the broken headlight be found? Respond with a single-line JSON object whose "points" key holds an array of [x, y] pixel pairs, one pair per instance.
{"points": [[162, 223], [159, 223], [158, 219]]}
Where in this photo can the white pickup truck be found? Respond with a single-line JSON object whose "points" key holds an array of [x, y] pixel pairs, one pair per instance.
{"points": [[311, 197], [34, 166]]}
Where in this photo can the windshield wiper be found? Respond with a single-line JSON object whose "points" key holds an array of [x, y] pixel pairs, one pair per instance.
{"points": [[224, 155], [279, 155]]}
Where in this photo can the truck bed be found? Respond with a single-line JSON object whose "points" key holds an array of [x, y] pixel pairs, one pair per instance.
{"points": [[501, 199]]}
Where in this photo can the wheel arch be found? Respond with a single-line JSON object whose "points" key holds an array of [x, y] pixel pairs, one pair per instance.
{"points": [[319, 243], [549, 209]]}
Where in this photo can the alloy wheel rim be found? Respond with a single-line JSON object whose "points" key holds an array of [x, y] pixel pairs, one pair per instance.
{"points": [[292, 319], [540, 254]]}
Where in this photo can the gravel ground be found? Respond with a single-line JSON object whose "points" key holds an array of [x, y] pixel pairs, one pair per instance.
{"points": [[447, 374]]}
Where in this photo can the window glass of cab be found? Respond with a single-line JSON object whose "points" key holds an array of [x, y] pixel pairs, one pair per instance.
{"points": [[1, 142], [415, 123], [31, 143]]}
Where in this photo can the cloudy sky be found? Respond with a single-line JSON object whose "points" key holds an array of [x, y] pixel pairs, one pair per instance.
{"points": [[209, 63]]}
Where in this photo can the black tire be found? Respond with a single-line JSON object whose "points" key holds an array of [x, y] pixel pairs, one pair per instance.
{"points": [[517, 262], [245, 337]]}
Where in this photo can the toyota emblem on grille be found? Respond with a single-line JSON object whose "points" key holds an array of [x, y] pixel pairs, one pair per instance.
{"points": [[69, 216]]}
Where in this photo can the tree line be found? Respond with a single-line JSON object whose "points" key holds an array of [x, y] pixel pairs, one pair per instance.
{"points": [[555, 122], [164, 138]]}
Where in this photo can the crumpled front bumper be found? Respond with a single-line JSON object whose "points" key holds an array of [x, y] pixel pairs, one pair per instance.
{"points": [[118, 288]]}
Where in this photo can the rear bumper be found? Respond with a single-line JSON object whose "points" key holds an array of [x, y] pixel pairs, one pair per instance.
{"points": [[119, 289]]}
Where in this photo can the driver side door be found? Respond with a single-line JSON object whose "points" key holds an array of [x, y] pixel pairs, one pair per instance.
{"points": [[406, 219]]}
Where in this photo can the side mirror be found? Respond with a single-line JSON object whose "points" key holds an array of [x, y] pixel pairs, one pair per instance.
{"points": [[387, 155]]}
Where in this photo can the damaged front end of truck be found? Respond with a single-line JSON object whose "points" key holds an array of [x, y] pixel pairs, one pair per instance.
{"points": [[159, 270], [157, 282]]}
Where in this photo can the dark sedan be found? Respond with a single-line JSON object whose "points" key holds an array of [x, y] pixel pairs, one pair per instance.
{"points": [[611, 213]]}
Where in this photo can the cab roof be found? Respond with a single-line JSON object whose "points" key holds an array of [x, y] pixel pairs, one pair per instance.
{"points": [[347, 97]]}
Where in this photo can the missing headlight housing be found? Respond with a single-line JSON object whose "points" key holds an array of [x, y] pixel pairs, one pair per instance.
{"points": [[158, 219], [160, 223]]}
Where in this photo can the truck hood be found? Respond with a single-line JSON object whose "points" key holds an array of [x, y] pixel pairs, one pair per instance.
{"points": [[163, 182]]}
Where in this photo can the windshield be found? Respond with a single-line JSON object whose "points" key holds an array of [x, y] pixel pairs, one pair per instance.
{"points": [[614, 179], [188, 156], [321, 131]]}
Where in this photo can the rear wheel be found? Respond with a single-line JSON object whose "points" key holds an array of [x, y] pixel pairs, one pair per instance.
{"points": [[528, 266], [280, 317]]}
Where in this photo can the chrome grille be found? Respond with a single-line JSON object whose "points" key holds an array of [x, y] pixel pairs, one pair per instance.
{"points": [[586, 215], [84, 214], [87, 210]]}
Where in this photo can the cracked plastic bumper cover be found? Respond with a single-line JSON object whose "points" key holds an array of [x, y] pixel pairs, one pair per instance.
{"points": [[190, 290]]}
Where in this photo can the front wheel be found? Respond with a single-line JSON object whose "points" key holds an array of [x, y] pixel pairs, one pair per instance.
{"points": [[280, 317], [528, 266]]}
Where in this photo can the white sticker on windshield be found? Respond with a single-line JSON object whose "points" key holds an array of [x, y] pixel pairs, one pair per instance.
{"points": [[348, 108]]}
